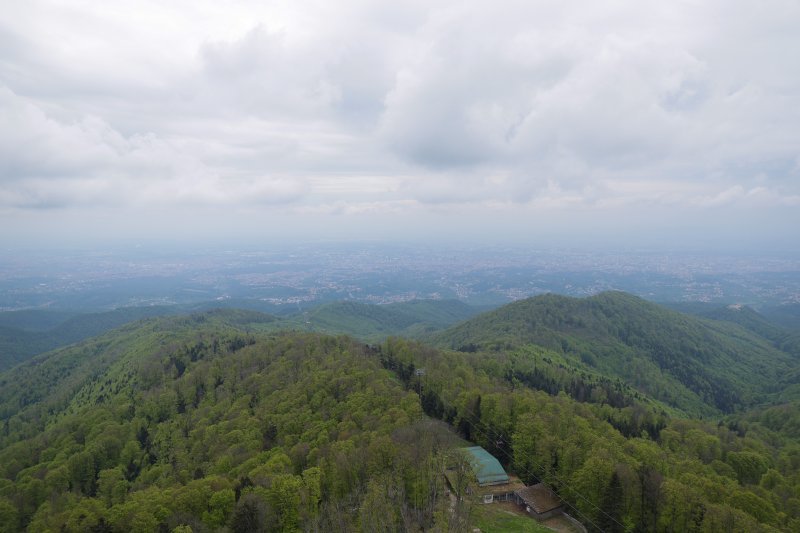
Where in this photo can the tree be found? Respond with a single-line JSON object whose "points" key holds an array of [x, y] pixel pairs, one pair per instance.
{"points": [[609, 519], [312, 493], [220, 507], [111, 486], [82, 473], [749, 466], [253, 515], [284, 497], [592, 479], [85, 515], [9, 518], [650, 481], [378, 511]]}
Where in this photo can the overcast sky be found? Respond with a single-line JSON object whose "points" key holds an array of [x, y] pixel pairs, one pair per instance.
{"points": [[574, 123]]}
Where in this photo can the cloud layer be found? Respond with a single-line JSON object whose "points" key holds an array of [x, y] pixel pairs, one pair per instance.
{"points": [[463, 108]]}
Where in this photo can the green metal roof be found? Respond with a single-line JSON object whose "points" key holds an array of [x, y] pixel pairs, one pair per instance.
{"points": [[486, 467]]}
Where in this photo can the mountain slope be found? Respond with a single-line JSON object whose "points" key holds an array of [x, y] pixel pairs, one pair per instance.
{"points": [[782, 337], [787, 316], [743, 315], [172, 421], [699, 366], [374, 322], [49, 381], [24, 334], [34, 319], [205, 423]]}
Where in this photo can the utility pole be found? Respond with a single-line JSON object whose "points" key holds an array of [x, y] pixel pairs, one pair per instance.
{"points": [[419, 372]]}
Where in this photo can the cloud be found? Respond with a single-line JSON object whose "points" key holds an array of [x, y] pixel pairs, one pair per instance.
{"points": [[47, 163], [257, 70], [357, 107]]}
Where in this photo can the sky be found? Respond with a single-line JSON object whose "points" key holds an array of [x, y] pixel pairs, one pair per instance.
{"points": [[573, 123]]}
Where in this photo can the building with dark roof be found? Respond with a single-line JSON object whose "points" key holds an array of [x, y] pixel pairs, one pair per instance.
{"points": [[540, 501]]}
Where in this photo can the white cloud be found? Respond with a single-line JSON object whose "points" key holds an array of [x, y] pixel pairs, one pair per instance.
{"points": [[47, 163], [357, 107]]}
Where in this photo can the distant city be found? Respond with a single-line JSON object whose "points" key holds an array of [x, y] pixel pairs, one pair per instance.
{"points": [[290, 278]]}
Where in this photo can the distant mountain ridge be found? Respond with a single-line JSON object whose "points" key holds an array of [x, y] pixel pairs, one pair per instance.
{"points": [[373, 322], [787, 315], [776, 324], [729, 358], [699, 366], [24, 334]]}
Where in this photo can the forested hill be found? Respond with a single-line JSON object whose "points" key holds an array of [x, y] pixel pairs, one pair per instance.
{"points": [[700, 366], [784, 336], [787, 315], [208, 423], [375, 322], [200, 422], [24, 334]]}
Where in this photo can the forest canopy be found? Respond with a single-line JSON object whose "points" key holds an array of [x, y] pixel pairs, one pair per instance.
{"points": [[209, 423]]}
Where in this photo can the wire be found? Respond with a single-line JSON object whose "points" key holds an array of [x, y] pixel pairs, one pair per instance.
{"points": [[539, 465], [476, 421]]}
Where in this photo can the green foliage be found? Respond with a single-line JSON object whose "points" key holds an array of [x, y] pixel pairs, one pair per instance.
{"points": [[198, 422], [376, 322], [379, 510], [220, 506], [675, 481], [749, 466], [701, 367], [253, 515], [786, 315], [24, 334], [9, 517], [203, 423]]}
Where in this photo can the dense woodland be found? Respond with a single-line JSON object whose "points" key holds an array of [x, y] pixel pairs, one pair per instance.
{"points": [[26, 333], [213, 422], [699, 367]]}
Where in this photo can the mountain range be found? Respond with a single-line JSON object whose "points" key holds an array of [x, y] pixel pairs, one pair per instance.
{"points": [[640, 417]]}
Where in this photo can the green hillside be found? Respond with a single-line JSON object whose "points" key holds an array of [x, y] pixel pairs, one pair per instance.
{"points": [[199, 421], [376, 322], [782, 337], [786, 316], [743, 315], [699, 366], [209, 423], [24, 334], [34, 319]]}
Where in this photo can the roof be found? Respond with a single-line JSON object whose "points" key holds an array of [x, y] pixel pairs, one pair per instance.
{"points": [[539, 497], [486, 467], [514, 484]]}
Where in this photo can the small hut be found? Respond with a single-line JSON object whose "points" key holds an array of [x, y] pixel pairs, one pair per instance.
{"points": [[540, 501]]}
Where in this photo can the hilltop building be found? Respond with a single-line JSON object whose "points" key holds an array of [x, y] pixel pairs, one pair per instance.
{"points": [[486, 467], [489, 479], [491, 483]]}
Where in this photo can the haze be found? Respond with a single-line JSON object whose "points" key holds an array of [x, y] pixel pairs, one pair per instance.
{"points": [[658, 124]]}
